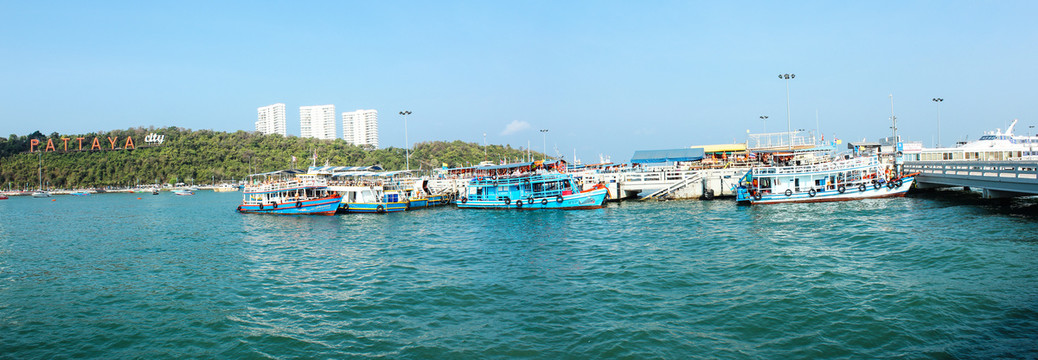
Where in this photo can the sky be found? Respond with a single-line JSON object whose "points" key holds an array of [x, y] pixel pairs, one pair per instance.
{"points": [[603, 77]]}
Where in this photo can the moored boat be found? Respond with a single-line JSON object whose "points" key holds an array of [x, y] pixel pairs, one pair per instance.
{"points": [[836, 180], [289, 192], [183, 192], [537, 190]]}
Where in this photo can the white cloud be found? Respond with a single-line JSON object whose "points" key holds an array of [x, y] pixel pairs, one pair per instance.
{"points": [[515, 126]]}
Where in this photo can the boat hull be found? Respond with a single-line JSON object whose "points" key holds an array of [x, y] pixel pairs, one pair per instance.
{"points": [[586, 200], [322, 206], [869, 192], [373, 208]]}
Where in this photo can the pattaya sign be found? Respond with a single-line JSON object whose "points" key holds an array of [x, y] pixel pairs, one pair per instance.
{"points": [[96, 144]]}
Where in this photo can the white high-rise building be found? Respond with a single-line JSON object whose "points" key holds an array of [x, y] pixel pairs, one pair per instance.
{"points": [[270, 119], [360, 127], [317, 122]]}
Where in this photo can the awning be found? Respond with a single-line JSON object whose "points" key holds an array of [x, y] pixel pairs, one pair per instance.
{"points": [[663, 156]]}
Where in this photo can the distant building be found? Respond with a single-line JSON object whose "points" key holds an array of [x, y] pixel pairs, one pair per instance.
{"points": [[317, 122], [270, 119], [360, 127]]}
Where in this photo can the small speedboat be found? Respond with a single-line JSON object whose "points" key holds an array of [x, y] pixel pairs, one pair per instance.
{"points": [[3, 196], [183, 192], [41, 194]]}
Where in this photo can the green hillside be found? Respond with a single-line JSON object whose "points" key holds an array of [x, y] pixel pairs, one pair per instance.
{"points": [[205, 156]]}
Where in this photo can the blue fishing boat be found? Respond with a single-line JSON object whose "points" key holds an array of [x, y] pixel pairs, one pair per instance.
{"points": [[539, 190], [289, 192]]}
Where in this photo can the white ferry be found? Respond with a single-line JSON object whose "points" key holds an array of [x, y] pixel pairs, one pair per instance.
{"points": [[992, 146], [836, 180]]}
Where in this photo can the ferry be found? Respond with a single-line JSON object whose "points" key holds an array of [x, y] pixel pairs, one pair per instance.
{"points": [[992, 146], [835, 180], [289, 192], [531, 191]]}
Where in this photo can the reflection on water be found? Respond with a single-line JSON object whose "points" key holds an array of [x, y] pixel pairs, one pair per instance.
{"points": [[189, 277]]}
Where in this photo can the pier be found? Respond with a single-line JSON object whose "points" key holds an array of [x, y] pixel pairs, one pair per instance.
{"points": [[997, 179]]}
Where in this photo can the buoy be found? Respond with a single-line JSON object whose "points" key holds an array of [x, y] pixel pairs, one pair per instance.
{"points": [[138, 198], [53, 199]]}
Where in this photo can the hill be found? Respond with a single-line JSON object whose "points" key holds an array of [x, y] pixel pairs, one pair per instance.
{"points": [[205, 156]]}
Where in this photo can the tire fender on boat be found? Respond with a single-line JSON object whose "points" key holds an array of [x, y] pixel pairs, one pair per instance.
{"points": [[464, 199], [811, 192], [274, 205], [861, 187], [518, 204], [508, 201], [757, 196], [299, 204], [544, 202], [558, 199], [899, 183], [876, 185], [380, 209], [261, 206], [239, 208], [789, 192], [841, 189], [345, 206], [529, 200]]}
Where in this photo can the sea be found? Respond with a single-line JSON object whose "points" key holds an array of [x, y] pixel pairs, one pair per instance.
{"points": [[942, 275]]}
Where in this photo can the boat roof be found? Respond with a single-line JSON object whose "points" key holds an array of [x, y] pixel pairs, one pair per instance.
{"points": [[281, 172], [510, 166], [716, 148], [335, 169], [371, 173], [663, 156]]}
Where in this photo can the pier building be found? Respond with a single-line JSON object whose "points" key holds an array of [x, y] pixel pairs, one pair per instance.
{"points": [[270, 119], [317, 121]]}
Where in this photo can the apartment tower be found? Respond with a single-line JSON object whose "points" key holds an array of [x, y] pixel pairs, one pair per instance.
{"points": [[270, 119], [361, 127], [317, 122]]}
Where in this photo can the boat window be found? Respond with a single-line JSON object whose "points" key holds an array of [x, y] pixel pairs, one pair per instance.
{"points": [[988, 137]]}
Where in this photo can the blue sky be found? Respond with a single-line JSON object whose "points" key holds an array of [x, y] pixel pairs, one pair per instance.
{"points": [[604, 77]]}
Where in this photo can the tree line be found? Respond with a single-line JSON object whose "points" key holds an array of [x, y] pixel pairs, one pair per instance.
{"points": [[206, 156]]}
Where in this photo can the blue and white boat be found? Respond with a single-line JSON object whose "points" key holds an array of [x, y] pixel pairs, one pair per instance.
{"points": [[835, 180], [538, 190], [289, 192]]}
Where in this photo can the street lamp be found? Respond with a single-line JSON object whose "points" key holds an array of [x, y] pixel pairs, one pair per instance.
{"points": [[407, 144], [765, 118], [544, 141], [938, 101], [788, 127]]}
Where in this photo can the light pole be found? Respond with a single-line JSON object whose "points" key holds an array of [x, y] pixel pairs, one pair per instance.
{"points": [[788, 127], [544, 142], [1030, 141], [407, 144], [938, 101], [765, 118]]}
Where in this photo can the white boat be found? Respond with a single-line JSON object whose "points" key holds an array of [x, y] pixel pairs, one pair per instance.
{"points": [[183, 192], [992, 146], [40, 194], [835, 180]]}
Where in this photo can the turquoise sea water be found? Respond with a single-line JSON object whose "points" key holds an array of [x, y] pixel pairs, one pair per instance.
{"points": [[111, 276]]}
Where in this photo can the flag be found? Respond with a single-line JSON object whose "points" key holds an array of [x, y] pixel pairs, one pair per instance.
{"points": [[293, 158]]}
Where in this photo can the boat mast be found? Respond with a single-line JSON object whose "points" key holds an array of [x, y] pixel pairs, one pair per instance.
{"points": [[894, 140]]}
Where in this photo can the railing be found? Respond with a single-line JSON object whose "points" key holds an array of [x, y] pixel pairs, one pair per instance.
{"points": [[819, 167], [674, 187], [285, 185], [1027, 170]]}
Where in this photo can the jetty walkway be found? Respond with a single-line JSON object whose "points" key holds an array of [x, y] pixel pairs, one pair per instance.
{"points": [[997, 179]]}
